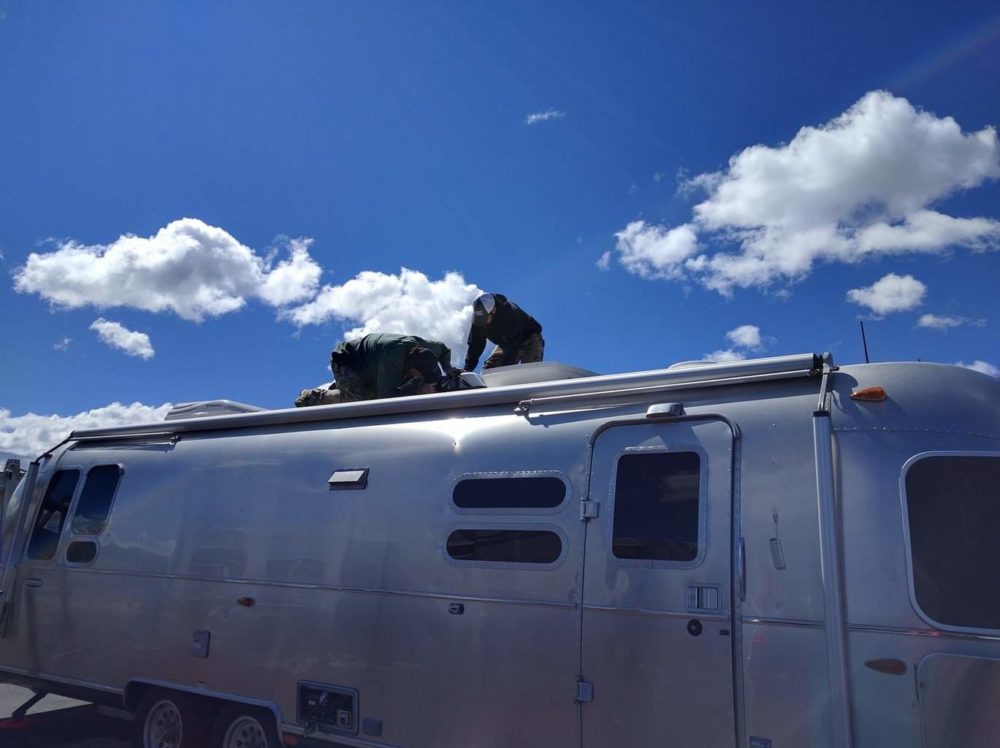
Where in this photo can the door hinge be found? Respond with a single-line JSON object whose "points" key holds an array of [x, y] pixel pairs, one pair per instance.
{"points": [[584, 691], [589, 509]]}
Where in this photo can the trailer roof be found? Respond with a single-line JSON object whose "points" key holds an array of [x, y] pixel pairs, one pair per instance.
{"points": [[610, 386]]}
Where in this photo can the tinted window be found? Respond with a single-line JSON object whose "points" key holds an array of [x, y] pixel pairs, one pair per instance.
{"points": [[95, 499], [510, 546], [509, 493], [52, 514], [81, 551], [657, 506], [953, 512]]}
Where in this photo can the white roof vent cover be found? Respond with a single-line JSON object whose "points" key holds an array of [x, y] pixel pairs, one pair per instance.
{"points": [[541, 371]]}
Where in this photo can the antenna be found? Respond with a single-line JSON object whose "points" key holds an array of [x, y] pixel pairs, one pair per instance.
{"points": [[864, 340]]}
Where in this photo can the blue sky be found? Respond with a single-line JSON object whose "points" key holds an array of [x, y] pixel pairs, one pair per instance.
{"points": [[199, 200]]}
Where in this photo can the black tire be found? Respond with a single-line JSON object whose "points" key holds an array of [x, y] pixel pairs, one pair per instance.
{"points": [[242, 726], [172, 719]]}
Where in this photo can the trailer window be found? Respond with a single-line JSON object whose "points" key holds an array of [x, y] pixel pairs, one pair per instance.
{"points": [[657, 506], [523, 492], [953, 516], [92, 509], [505, 546], [52, 515]]}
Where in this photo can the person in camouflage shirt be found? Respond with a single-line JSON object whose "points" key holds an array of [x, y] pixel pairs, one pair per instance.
{"points": [[388, 365]]}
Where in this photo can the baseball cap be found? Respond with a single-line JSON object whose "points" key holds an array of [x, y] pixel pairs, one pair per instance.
{"points": [[483, 307]]}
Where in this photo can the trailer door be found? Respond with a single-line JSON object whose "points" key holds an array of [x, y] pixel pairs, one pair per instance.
{"points": [[657, 666]]}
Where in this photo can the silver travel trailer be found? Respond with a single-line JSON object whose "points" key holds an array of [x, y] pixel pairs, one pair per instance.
{"points": [[771, 554]]}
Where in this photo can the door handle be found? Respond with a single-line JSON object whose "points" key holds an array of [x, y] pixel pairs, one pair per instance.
{"points": [[33, 582]]}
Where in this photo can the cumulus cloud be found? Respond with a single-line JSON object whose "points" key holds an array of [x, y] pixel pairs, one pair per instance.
{"points": [[982, 366], [655, 252], [63, 344], [862, 185], [743, 340], [118, 336], [946, 322], [724, 355], [188, 267], [536, 117], [604, 263], [29, 435], [892, 293], [409, 302], [745, 336]]}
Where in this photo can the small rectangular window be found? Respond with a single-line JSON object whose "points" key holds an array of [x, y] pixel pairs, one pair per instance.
{"points": [[953, 516], [505, 546], [91, 515], [522, 492], [52, 515], [657, 506], [81, 552]]}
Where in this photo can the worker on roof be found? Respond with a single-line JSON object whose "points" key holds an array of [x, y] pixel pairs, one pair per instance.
{"points": [[517, 335], [389, 365]]}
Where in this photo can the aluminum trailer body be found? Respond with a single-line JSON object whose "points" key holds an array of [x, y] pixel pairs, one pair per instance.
{"points": [[719, 555]]}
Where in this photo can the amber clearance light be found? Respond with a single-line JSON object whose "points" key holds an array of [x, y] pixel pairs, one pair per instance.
{"points": [[869, 394]]}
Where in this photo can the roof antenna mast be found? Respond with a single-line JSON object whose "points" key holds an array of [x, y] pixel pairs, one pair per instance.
{"points": [[864, 340]]}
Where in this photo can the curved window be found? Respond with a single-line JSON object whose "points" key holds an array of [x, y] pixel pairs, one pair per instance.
{"points": [[52, 515], [953, 518], [91, 515], [505, 546], [524, 492]]}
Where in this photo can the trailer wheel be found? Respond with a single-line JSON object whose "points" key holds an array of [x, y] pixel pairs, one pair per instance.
{"points": [[242, 726], [171, 719]]}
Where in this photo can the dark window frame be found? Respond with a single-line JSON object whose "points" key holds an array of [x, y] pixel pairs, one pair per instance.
{"points": [[507, 475], [67, 513], [494, 526], [908, 541], [702, 532], [76, 534]]}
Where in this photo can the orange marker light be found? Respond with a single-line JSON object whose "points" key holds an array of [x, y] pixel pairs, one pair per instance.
{"points": [[289, 740], [869, 394]]}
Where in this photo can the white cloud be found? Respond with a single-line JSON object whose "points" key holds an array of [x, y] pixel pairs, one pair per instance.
{"points": [[745, 336], [536, 117], [187, 267], [862, 185], [29, 435], [945, 322], [63, 344], [118, 336], [983, 367], [655, 252], [743, 339], [409, 302], [604, 263], [723, 356], [892, 293]]}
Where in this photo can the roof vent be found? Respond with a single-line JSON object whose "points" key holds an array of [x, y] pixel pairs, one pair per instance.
{"points": [[541, 371], [206, 408]]}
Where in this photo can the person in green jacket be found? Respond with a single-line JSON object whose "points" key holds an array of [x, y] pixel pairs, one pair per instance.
{"points": [[389, 365]]}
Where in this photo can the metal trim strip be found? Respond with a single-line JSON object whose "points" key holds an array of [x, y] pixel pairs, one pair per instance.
{"points": [[323, 587]]}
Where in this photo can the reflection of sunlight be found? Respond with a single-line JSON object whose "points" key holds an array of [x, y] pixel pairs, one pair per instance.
{"points": [[456, 428]]}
